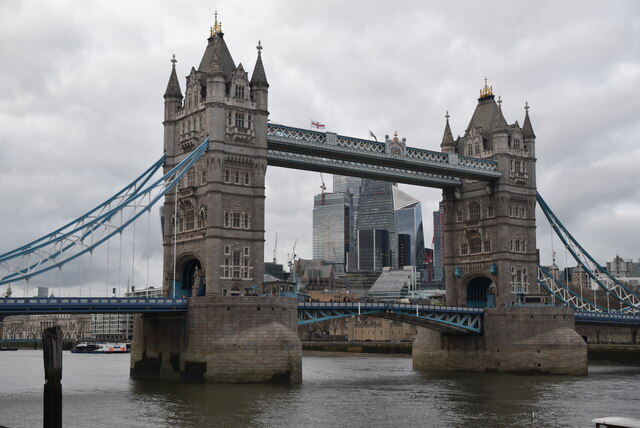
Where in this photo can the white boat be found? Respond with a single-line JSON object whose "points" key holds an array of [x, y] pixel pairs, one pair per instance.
{"points": [[101, 348]]}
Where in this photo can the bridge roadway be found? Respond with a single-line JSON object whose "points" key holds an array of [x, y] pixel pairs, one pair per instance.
{"points": [[449, 319]]}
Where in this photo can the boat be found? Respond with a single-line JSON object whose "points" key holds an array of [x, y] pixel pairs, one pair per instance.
{"points": [[101, 348], [616, 422]]}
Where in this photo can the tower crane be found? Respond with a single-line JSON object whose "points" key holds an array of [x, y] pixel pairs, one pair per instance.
{"points": [[275, 248], [322, 187], [291, 256]]}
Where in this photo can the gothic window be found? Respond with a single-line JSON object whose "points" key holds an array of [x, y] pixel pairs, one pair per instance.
{"points": [[477, 149], [459, 216], [236, 220], [240, 91], [490, 212], [189, 216], [203, 176], [522, 212], [226, 175], [227, 220], [245, 221], [202, 217], [180, 222], [240, 120], [474, 211], [487, 245], [236, 175], [464, 248], [475, 245], [246, 251], [191, 177], [516, 143], [229, 119], [246, 178], [227, 250]]}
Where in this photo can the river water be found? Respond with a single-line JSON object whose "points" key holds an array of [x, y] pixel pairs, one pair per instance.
{"points": [[337, 391]]}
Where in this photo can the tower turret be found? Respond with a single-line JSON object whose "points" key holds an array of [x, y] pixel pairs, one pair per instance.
{"points": [[172, 103], [258, 84], [447, 145]]}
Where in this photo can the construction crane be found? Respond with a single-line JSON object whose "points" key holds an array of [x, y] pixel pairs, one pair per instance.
{"points": [[291, 256], [275, 248], [322, 188]]}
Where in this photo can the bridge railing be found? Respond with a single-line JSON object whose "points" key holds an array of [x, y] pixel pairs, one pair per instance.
{"points": [[285, 134]]}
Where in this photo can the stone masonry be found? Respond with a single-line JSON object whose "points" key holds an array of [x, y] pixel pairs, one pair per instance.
{"points": [[525, 340], [220, 339]]}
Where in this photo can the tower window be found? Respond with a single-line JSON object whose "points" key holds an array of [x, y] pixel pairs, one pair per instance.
{"points": [[474, 211], [490, 212], [240, 91], [464, 248], [475, 245], [240, 120]]}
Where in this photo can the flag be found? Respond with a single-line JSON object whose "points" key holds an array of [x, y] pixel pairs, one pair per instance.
{"points": [[318, 125], [373, 135]]}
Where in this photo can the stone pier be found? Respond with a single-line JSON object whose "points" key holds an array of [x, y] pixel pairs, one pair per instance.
{"points": [[516, 340], [222, 340]]}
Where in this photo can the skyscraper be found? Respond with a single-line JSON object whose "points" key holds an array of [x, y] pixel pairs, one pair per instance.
{"points": [[331, 227]]}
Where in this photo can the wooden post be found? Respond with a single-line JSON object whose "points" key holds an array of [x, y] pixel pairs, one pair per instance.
{"points": [[52, 349]]}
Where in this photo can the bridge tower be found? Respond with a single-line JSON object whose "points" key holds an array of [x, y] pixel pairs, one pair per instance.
{"points": [[490, 260], [213, 224], [490, 256], [213, 236]]}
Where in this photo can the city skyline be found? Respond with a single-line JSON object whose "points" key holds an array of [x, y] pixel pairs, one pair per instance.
{"points": [[82, 86]]}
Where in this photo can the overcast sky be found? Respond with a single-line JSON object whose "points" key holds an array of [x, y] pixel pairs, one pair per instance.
{"points": [[81, 105]]}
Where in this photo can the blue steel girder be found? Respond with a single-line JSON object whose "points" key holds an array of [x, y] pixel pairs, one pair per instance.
{"points": [[89, 305], [358, 169], [285, 139], [586, 317], [446, 319]]}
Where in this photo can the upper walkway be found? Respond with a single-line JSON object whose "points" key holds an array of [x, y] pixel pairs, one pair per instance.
{"points": [[336, 154]]}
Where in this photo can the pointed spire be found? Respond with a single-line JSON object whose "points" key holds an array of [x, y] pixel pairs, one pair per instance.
{"points": [[173, 87], [527, 129], [447, 144], [259, 77]]}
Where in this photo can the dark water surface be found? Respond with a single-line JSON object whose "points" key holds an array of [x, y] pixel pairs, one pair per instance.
{"points": [[337, 391]]}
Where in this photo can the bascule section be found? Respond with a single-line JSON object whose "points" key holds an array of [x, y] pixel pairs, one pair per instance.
{"points": [[490, 254], [213, 224]]}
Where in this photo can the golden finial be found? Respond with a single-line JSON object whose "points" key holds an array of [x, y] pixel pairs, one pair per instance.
{"points": [[217, 26], [487, 90]]}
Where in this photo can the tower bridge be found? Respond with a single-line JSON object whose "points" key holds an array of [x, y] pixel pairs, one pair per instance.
{"points": [[218, 143]]}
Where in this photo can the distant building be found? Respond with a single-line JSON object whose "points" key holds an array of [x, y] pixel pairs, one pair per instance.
{"points": [[119, 326], [20, 327], [331, 227], [438, 246], [376, 226], [409, 229]]}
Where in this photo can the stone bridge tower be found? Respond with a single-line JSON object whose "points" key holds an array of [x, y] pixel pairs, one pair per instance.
{"points": [[213, 224], [490, 256]]}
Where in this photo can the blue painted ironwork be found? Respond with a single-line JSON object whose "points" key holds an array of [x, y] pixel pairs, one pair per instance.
{"points": [[586, 317], [596, 273], [560, 291], [327, 152], [454, 319], [89, 305], [70, 241]]}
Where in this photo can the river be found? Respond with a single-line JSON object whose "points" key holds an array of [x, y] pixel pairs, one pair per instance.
{"points": [[337, 391]]}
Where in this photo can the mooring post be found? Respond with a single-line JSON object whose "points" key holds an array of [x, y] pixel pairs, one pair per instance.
{"points": [[52, 350]]}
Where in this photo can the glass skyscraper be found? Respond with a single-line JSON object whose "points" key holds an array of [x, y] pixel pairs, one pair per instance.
{"points": [[331, 227]]}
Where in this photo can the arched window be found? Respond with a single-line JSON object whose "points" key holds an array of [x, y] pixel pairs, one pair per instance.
{"points": [[474, 211]]}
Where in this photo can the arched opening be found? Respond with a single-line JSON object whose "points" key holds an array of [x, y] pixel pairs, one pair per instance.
{"points": [[478, 295], [191, 275]]}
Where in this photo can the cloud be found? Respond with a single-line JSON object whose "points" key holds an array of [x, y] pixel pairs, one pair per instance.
{"points": [[81, 104]]}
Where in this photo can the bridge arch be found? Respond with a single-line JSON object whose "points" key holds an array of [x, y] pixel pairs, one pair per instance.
{"points": [[480, 289], [190, 278]]}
